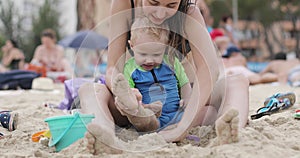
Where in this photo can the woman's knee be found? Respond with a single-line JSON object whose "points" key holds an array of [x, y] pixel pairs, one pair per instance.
{"points": [[233, 79]]}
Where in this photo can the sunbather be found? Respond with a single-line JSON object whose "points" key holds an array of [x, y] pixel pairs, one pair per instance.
{"points": [[235, 63], [282, 68]]}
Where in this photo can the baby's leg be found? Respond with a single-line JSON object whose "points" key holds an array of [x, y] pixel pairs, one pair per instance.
{"points": [[126, 101]]}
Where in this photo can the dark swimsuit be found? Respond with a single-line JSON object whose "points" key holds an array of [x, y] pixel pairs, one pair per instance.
{"points": [[14, 64]]}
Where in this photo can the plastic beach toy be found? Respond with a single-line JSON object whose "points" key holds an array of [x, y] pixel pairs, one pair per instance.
{"points": [[297, 114], [38, 135], [67, 129]]}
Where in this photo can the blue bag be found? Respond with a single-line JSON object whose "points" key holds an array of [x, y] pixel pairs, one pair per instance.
{"points": [[15, 79]]}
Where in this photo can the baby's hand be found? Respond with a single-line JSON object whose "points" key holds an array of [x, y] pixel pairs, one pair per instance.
{"points": [[181, 103], [156, 107], [137, 94]]}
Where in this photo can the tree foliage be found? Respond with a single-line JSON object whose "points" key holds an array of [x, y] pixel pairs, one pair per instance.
{"points": [[12, 24], [266, 12], [47, 17], [11, 21]]}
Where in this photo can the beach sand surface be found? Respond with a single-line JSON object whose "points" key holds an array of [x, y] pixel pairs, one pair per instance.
{"points": [[274, 136]]}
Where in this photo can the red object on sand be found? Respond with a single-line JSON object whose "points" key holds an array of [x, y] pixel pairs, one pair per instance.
{"points": [[60, 79], [38, 69], [216, 33]]}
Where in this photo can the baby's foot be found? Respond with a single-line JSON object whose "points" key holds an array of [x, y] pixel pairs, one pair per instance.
{"points": [[227, 127], [101, 141], [127, 100]]}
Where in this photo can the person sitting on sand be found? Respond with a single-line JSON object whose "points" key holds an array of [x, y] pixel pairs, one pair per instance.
{"points": [[50, 55], [12, 58], [149, 71], [212, 100], [282, 68]]}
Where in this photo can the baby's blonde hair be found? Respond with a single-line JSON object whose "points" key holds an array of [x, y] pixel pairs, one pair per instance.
{"points": [[143, 26]]}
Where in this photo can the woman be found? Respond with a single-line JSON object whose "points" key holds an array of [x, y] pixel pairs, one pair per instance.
{"points": [[49, 54], [12, 57], [212, 96]]}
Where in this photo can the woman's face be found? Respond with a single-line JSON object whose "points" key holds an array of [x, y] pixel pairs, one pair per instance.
{"points": [[160, 10], [8, 44], [47, 41]]}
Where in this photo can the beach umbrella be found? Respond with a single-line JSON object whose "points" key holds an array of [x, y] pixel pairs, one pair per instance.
{"points": [[85, 39]]}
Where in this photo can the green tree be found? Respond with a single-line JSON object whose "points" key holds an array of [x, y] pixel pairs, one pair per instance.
{"points": [[266, 12], [291, 8], [11, 21], [47, 17]]}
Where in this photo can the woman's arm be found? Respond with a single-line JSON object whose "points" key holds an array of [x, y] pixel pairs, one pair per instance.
{"points": [[185, 92], [13, 54], [203, 51], [36, 55], [59, 65], [120, 14]]}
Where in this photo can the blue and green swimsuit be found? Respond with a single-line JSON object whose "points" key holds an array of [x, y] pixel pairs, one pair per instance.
{"points": [[160, 84]]}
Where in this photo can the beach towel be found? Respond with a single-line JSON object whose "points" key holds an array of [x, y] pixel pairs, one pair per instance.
{"points": [[15, 79], [71, 100]]}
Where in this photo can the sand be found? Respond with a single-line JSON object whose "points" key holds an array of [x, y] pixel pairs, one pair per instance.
{"points": [[276, 135]]}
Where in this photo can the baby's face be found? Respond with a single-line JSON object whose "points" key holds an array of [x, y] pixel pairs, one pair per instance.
{"points": [[148, 52]]}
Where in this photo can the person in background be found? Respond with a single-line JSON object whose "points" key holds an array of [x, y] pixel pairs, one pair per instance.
{"points": [[12, 58], [227, 24], [284, 69], [235, 63], [50, 55]]}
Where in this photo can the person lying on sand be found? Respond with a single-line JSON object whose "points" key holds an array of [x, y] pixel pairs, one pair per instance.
{"points": [[235, 63], [284, 69]]}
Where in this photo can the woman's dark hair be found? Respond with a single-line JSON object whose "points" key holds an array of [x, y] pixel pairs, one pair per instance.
{"points": [[280, 56], [176, 25], [14, 43], [49, 33], [226, 17]]}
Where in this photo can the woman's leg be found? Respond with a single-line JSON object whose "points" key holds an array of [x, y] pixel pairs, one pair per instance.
{"points": [[234, 109], [229, 93], [227, 107], [236, 97], [95, 99]]}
